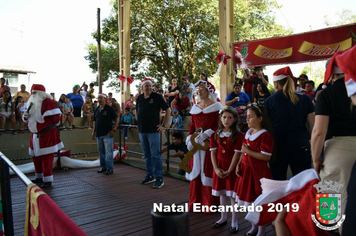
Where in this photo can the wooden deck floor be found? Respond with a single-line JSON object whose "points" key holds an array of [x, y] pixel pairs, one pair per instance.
{"points": [[117, 204]]}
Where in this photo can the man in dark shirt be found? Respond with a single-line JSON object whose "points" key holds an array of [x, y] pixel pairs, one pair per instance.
{"points": [[103, 132], [334, 130], [260, 77], [148, 106], [180, 147]]}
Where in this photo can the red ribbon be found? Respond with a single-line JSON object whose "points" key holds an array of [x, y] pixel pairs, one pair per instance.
{"points": [[222, 57], [124, 78]]}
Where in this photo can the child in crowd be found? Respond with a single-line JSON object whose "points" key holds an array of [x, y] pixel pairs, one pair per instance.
{"points": [[68, 112], [256, 152], [176, 123], [95, 105], [88, 111], [262, 95], [225, 147], [309, 86], [128, 119], [180, 149], [21, 107], [91, 90]]}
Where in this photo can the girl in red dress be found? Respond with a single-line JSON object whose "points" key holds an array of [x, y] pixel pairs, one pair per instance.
{"points": [[256, 152], [225, 147]]}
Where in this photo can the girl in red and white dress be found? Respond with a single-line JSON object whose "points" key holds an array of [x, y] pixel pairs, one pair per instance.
{"points": [[256, 152], [225, 147]]}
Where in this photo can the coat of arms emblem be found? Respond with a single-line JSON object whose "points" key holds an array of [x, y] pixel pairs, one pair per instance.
{"points": [[328, 206]]}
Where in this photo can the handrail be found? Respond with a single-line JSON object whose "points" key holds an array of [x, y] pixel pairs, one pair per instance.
{"points": [[136, 126], [6, 192], [23, 177]]}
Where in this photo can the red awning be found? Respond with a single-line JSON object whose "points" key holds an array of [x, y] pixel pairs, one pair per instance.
{"points": [[310, 46]]}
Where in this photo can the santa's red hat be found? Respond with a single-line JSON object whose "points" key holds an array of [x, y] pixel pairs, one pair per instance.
{"points": [[38, 88], [207, 84], [102, 95], [343, 62], [331, 67], [282, 73], [146, 80]]}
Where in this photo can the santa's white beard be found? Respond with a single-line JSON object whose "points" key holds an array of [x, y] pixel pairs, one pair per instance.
{"points": [[36, 100]]}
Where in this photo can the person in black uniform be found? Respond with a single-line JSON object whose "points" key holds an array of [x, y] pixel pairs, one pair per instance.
{"points": [[289, 112], [335, 126]]}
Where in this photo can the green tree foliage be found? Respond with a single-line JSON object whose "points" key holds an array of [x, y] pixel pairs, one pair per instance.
{"points": [[346, 16], [173, 38], [315, 70]]}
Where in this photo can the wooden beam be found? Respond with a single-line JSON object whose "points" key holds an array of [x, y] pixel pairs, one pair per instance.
{"points": [[124, 45], [226, 38], [100, 67]]}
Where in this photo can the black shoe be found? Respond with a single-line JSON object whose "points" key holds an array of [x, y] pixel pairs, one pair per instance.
{"points": [[217, 225], [37, 181], [109, 172], [46, 185], [102, 170], [234, 230]]}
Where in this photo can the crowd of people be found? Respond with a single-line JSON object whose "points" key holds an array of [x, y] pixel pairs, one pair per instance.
{"points": [[295, 126]]}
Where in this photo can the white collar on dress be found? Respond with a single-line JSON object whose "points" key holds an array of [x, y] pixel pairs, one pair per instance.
{"points": [[252, 137], [224, 134], [212, 108]]}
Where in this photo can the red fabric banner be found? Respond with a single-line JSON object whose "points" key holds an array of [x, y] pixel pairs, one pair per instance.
{"points": [[44, 217], [310, 46]]}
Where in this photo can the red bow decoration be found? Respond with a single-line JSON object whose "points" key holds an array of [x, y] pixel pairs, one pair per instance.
{"points": [[222, 57], [123, 79]]}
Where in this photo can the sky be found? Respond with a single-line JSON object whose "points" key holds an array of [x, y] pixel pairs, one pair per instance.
{"points": [[50, 36]]}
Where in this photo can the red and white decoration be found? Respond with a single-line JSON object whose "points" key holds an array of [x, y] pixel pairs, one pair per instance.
{"points": [[298, 194], [126, 80], [221, 59]]}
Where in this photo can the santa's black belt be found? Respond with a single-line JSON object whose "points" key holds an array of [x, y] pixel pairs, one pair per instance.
{"points": [[48, 128], [200, 130]]}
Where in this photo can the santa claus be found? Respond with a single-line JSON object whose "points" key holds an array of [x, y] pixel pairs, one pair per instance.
{"points": [[42, 117]]}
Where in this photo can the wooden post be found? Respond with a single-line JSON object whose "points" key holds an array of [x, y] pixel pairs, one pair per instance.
{"points": [[226, 38], [124, 45], [100, 68]]}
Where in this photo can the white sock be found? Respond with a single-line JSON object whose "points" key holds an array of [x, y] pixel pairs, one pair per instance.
{"points": [[223, 202], [261, 230], [253, 229], [234, 220]]}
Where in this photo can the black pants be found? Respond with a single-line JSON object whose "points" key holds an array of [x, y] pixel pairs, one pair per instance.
{"points": [[297, 157], [77, 111]]}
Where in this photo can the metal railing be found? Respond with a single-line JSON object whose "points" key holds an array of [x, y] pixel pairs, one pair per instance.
{"points": [[168, 160], [6, 192]]}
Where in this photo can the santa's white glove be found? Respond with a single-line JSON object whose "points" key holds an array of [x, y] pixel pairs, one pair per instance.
{"points": [[25, 115], [201, 138], [204, 136], [189, 143], [190, 146]]}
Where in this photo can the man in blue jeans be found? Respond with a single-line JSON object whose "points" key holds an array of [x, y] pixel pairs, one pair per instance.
{"points": [[103, 132], [148, 107]]}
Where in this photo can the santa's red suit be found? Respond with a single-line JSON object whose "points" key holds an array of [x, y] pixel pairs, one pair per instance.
{"points": [[45, 141]]}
